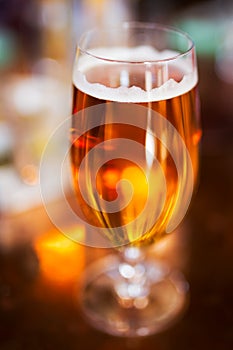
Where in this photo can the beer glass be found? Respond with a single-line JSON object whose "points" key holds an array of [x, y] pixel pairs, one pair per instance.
{"points": [[134, 153]]}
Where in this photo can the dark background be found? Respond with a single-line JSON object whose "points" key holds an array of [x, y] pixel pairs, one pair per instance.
{"points": [[34, 315]]}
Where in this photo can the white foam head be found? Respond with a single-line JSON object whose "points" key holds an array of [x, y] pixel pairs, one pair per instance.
{"points": [[142, 55]]}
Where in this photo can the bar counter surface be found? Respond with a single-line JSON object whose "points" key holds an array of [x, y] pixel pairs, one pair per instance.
{"points": [[38, 307]]}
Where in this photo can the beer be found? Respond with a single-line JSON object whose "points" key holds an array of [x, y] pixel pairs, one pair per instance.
{"points": [[118, 88]]}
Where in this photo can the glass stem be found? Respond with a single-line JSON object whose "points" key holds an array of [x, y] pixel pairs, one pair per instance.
{"points": [[133, 287]]}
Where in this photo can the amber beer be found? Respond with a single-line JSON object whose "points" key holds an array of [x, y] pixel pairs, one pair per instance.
{"points": [[102, 84]]}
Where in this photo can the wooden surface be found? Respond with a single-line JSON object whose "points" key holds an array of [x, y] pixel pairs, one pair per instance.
{"points": [[39, 311]]}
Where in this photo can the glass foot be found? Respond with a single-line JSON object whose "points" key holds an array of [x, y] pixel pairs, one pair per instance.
{"points": [[114, 301]]}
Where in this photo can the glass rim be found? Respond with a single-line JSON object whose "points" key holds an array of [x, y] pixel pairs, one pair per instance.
{"points": [[137, 24]]}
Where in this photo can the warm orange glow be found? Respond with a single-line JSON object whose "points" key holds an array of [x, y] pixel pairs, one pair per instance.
{"points": [[110, 178], [197, 136], [137, 179], [61, 260]]}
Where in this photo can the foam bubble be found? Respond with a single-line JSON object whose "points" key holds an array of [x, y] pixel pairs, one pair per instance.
{"points": [[147, 54], [142, 53]]}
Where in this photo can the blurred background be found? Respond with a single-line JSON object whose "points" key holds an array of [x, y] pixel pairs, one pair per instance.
{"points": [[37, 46]]}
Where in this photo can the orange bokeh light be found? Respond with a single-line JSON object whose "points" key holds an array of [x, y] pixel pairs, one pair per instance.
{"points": [[61, 259], [111, 177]]}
